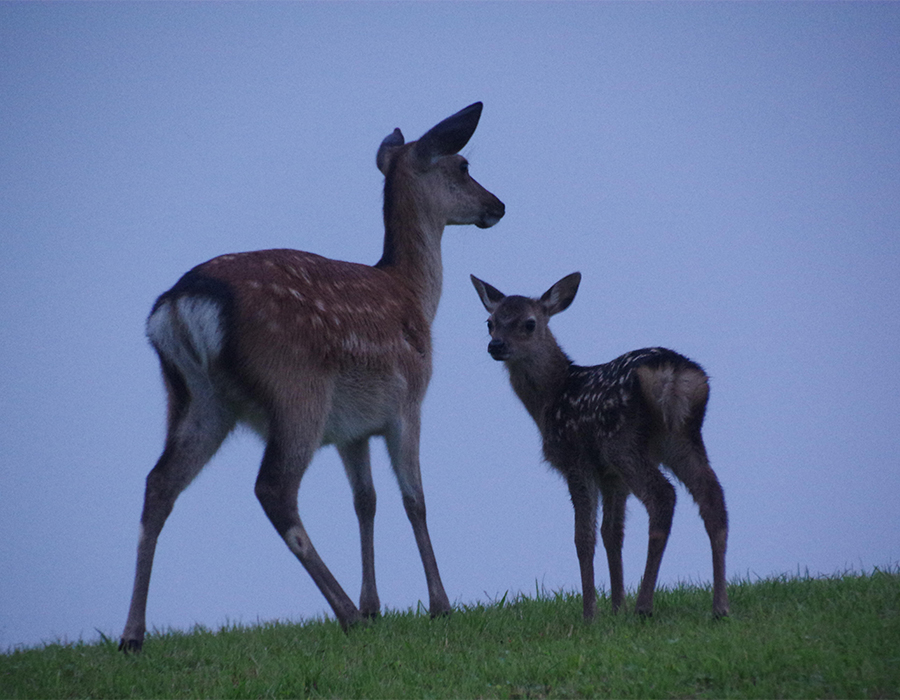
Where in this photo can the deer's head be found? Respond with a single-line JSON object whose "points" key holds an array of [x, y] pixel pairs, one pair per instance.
{"points": [[437, 174]]}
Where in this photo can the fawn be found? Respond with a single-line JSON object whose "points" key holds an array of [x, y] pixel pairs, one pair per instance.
{"points": [[606, 429]]}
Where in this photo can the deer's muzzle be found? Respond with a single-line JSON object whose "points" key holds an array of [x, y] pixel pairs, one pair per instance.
{"points": [[498, 350]]}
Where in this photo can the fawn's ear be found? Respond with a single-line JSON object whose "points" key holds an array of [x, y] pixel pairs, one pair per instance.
{"points": [[490, 296], [561, 294]]}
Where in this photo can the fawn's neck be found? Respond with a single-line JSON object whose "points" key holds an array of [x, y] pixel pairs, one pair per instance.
{"points": [[538, 379]]}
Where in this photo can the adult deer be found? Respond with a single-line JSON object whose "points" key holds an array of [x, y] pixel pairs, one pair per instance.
{"points": [[606, 429], [310, 351]]}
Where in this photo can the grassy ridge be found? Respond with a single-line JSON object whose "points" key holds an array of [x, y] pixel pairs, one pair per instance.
{"points": [[787, 637]]}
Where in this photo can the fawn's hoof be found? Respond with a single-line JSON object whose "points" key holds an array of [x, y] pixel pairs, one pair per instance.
{"points": [[131, 646]]}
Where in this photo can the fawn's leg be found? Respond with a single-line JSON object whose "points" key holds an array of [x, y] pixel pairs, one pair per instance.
{"points": [[612, 531], [658, 497], [583, 490], [688, 461]]}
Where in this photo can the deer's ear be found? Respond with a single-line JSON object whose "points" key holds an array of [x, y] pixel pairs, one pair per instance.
{"points": [[490, 296], [561, 294], [388, 149], [449, 136]]}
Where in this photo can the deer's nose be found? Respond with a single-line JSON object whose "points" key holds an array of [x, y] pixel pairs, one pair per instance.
{"points": [[498, 350], [492, 214]]}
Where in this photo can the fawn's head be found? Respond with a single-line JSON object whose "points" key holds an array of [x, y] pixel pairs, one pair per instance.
{"points": [[435, 175], [519, 325]]}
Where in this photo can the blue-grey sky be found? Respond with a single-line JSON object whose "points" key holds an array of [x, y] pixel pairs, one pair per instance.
{"points": [[726, 176]]}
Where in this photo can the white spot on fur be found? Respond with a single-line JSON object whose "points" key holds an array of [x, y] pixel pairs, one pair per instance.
{"points": [[296, 540], [351, 342]]}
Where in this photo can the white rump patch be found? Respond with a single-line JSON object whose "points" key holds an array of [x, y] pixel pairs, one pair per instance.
{"points": [[188, 331]]}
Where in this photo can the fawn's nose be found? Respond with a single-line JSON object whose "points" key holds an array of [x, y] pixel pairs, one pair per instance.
{"points": [[498, 350]]}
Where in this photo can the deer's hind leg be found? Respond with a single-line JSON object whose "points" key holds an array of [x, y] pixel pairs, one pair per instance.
{"points": [[198, 424], [292, 443], [645, 481], [687, 459]]}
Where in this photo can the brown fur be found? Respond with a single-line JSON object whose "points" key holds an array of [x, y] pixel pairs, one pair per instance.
{"points": [[310, 351]]}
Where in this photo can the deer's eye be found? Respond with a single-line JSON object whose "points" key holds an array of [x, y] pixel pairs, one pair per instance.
{"points": [[529, 325], [490, 325], [464, 167]]}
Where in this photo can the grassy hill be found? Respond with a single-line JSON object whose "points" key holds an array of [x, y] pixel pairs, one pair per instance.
{"points": [[787, 637]]}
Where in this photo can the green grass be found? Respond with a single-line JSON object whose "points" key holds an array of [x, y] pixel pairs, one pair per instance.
{"points": [[790, 637]]}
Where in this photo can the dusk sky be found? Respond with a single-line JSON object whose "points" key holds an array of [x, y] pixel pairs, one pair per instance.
{"points": [[725, 176]]}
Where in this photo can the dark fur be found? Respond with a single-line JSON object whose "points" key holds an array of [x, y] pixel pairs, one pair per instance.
{"points": [[606, 429]]}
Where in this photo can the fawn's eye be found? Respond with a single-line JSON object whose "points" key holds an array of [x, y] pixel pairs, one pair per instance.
{"points": [[490, 325], [464, 167], [530, 325]]}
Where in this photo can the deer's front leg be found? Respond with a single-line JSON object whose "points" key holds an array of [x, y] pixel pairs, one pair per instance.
{"points": [[583, 491], [403, 447], [359, 472]]}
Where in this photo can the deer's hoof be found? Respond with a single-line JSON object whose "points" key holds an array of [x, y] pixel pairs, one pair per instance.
{"points": [[131, 646]]}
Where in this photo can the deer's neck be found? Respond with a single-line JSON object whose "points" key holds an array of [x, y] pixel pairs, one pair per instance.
{"points": [[412, 249], [538, 380]]}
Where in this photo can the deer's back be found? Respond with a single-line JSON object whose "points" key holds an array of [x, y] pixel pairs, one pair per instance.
{"points": [[603, 407], [288, 317]]}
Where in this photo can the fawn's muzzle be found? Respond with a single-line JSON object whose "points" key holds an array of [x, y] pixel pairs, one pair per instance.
{"points": [[498, 349]]}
